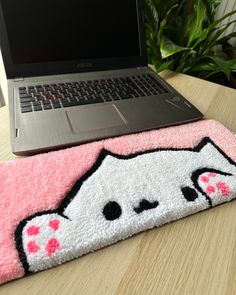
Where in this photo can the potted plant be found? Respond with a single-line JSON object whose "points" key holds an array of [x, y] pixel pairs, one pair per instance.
{"points": [[183, 35]]}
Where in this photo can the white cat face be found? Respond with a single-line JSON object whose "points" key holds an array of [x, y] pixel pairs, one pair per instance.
{"points": [[122, 195]]}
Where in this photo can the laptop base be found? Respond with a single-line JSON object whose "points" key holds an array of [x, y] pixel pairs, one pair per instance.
{"points": [[53, 129]]}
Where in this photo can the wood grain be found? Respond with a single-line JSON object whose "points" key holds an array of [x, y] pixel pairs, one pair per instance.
{"points": [[196, 255]]}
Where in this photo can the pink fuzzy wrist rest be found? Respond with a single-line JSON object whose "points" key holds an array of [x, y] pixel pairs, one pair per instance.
{"points": [[102, 192]]}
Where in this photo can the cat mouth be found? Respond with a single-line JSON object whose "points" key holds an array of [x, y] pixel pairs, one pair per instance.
{"points": [[145, 205]]}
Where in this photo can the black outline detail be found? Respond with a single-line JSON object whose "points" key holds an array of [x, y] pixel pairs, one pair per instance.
{"points": [[103, 154], [145, 205]]}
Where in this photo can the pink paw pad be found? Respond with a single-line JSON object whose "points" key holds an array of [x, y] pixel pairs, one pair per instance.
{"points": [[32, 247], [210, 182], [212, 174], [204, 179], [54, 224], [210, 189], [223, 188], [33, 230], [52, 246]]}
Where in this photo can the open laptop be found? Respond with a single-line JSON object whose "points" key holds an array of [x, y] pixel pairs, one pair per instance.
{"points": [[77, 71]]}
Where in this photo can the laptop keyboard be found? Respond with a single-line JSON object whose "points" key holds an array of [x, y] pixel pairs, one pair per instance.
{"points": [[62, 95]]}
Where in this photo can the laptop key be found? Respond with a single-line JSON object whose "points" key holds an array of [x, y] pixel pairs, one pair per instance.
{"points": [[55, 100], [69, 104], [56, 106], [25, 104], [46, 102], [26, 100], [22, 92], [107, 99], [37, 108], [39, 97], [37, 103], [99, 100], [26, 110], [47, 107], [25, 95], [127, 96], [65, 103]]}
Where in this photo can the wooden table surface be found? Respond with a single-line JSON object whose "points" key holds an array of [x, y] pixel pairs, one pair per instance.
{"points": [[196, 255]]}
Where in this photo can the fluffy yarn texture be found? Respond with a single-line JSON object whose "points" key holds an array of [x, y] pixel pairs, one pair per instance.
{"points": [[61, 205]]}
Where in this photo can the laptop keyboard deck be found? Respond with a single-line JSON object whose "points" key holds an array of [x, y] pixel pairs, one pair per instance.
{"points": [[55, 96]]}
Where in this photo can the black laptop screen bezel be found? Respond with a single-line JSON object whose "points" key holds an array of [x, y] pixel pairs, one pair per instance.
{"points": [[76, 66]]}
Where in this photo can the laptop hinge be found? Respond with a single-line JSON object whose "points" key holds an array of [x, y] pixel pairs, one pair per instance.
{"points": [[141, 68], [18, 79]]}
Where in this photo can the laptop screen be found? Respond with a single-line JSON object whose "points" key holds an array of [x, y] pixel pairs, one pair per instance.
{"points": [[53, 31]]}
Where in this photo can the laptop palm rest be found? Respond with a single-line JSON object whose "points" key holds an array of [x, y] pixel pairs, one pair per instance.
{"points": [[97, 117]]}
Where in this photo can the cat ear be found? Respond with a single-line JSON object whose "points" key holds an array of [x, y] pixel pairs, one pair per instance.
{"points": [[210, 150]]}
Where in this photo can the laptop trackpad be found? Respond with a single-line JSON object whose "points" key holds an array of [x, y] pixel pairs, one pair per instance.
{"points": [[91, 118]]}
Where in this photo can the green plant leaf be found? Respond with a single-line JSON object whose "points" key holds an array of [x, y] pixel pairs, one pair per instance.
{"points": [[225, 38], [213, 28], [182, 35], [215, 23], [168, 48], [218, 33], [161, 65], [211, 5], [223, 65], [194, 26], [165, 65], [204, 66], [201, 37], [232, 64], [164, 21], [213, 64], [152, 18]]}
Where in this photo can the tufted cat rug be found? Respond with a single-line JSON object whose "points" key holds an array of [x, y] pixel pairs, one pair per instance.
{"points": [[58, 206]]}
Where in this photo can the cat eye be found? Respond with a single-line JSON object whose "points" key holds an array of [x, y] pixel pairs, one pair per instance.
{"points": [[112, 211], [189, 193]]}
